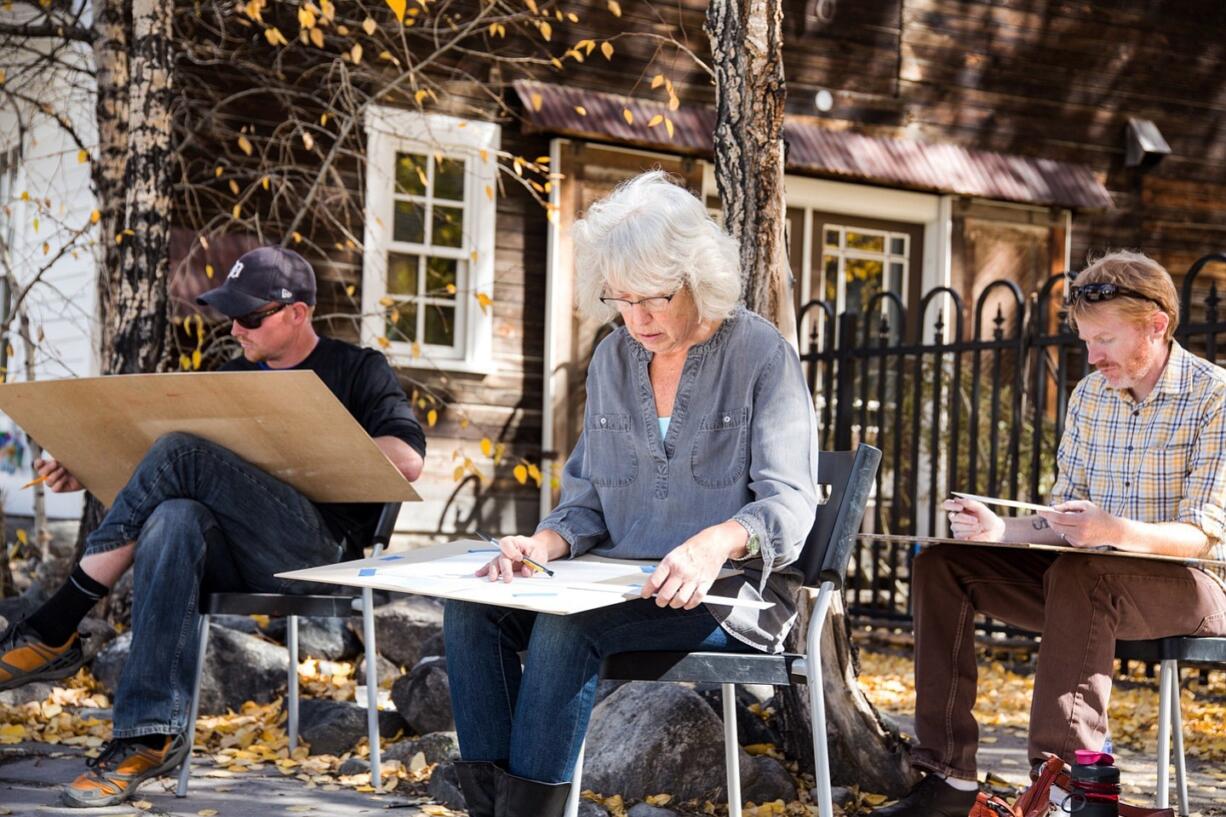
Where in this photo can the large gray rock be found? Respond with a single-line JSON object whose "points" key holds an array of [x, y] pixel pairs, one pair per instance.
{"points": [[768, 781], [335, 727], [96, 634], [589, 809], [386, 672], [403, 627], [27, 693], [327, 638], [237, 668], [750, 728], [436, 747], [650, 738], [647, 810], [423, 698]]}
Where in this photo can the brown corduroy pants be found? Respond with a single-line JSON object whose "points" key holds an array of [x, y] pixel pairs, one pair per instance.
{"points": [[1080, 605]]}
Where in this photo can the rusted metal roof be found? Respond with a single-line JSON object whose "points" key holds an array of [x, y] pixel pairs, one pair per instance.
{"points": [[817, 150]]}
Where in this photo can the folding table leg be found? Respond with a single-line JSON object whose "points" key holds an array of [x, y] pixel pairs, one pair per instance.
{"points": [[732, 751], [186, 769]]}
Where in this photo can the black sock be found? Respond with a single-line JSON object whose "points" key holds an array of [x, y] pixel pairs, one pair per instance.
{"points": [[59, 616], [152, 741]]}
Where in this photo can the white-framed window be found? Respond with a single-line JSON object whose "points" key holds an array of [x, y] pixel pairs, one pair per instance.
{"points": [[428, 264], [860, 262]]}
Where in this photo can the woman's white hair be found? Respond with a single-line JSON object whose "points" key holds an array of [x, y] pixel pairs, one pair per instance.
{"points": [[651, 236]]}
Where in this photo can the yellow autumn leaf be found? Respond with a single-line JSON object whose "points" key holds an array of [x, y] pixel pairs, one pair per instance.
{"points": [[873, 799], [673, 102], [531, 4], [537, 101], [657, 81], [415, 350], [546, 31], [196, 360], [615, 8], [297, 236], [628, 116], [82, 156], [274, 36], [22, 536], [317, 37], [658, 799], [233, 187], [655, 120], [306, 17], [2, 76], [244, 144], [386, 301], [350, 289], [582, 111], [308, 140], [521, 474], [487, 446], [237, 210], [95, 216], [606, 48], [458, 473], [484, 300], [382, 341], [489, 192], [397, 7], [431, 417], [264, 182], [12, 733], [368, 25], [355, 53], [208, 270], [217, 171], [668, 126], [451, 289], [207, 812]]}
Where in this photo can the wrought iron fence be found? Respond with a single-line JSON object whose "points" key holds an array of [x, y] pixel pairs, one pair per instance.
{"points": [[956, 399]]}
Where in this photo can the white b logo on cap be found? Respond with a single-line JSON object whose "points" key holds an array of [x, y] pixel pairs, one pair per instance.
{"points": [[235, 270]]}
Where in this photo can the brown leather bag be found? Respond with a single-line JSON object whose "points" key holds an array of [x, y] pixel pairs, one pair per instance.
{"points": [[1034, 801]]}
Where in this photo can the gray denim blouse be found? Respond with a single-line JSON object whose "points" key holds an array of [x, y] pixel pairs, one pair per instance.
{"points": [[742, 444]]}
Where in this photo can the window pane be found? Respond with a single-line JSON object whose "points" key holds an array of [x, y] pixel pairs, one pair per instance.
{"points": [[865, 241], [411, 174], [863, 281], [409, 224], [448, 227], [832, 238], [896, 273], [898, 245], [401, 323], [440, 324], [401, 274], [439, 273], [830, 273], [449, 179]]}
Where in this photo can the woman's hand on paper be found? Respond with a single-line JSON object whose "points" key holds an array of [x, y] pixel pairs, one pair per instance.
{"points": [[514, 549], [684, 576], [969, 519], [1083, 524], [56, 476]]}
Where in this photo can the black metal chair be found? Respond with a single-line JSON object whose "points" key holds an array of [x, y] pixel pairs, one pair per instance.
{"points": [[292, 607], [1167, 653], [849, 476]]}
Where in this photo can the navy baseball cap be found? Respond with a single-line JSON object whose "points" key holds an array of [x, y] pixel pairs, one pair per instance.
{"points": [[260, 276]]}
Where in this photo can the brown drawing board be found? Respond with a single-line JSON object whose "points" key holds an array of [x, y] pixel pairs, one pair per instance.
{"points": [[287, 423], [1119, 554]]}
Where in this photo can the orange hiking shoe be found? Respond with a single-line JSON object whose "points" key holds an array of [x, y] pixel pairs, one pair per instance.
{"points": [[25, 657], [116, 773]]}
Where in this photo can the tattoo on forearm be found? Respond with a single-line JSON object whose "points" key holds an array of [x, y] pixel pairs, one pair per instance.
{"points": [[1039, 524]]}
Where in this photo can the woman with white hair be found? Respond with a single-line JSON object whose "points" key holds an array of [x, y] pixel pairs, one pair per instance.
{"points": [[699, 449]]}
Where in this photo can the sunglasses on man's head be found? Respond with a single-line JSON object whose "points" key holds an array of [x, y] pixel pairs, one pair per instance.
{"points": [[253, 320], [1105, 291]]}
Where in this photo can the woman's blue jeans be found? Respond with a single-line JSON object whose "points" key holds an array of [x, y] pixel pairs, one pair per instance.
{"points": [[532, 720], [200, 516]]}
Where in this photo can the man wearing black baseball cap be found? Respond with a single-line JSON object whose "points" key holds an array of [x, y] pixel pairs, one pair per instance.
{"points": [[195, 514]]}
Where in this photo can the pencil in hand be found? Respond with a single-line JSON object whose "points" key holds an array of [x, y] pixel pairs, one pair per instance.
{"points": [[539, 568], [33, 482]]}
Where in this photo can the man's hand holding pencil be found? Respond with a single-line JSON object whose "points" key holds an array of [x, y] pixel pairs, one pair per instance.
{"points": [[55, 476]]}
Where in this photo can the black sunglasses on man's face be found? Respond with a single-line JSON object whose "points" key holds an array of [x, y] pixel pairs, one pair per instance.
{"points": [[253, 320], [1105, 291]]}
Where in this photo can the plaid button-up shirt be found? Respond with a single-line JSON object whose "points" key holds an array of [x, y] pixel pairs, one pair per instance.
{"points": [[1162, 459]]}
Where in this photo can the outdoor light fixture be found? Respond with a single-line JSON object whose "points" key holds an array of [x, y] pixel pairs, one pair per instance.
{"points": [[1144, 146], [824, 100]]}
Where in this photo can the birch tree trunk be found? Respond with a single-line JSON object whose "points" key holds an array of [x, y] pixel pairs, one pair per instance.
{"points": [[746, 47], [136, 309]]}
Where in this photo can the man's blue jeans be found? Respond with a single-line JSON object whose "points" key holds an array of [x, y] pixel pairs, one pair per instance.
{"points": [[200, 516], [532, 720]]}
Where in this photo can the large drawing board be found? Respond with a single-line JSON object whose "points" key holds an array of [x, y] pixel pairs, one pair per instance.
{"points": [[1106, 550], [446, 571], [287, 423]]}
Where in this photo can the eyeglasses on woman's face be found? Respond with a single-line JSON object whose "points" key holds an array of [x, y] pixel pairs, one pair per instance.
{"points": [[1105, 291], [655, 304], [253, 320]]}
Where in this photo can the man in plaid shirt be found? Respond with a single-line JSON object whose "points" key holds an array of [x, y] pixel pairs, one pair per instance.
{"points": [[1142, 468]]}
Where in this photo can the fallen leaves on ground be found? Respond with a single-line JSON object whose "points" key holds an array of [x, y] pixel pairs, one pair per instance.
{"points": [[1004, 701]]}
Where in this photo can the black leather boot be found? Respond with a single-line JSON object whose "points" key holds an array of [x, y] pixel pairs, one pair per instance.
{"points": [[521, 797], [479, 783], [931, 797]]}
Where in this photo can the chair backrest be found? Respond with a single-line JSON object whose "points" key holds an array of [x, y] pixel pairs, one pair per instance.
{"points": [[848, 475], [387, 524]]}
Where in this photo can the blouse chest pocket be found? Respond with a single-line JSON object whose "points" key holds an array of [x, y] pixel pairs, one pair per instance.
{"points": [[612, 461], [721, 448]]}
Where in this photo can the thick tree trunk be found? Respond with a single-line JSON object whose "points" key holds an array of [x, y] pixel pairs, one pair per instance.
{"points": [[746, 47], [137, 316]]}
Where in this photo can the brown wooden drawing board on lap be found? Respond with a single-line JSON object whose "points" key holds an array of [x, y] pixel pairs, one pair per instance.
{"points": [[287, 423], [1119, 554]]}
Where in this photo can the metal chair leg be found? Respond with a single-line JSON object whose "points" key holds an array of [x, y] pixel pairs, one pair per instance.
{"points": [[1181, 771], [576, 786], [817, 699], [731, 751], [1164, 734], [372, 685], [186, 769], [291, 631]]}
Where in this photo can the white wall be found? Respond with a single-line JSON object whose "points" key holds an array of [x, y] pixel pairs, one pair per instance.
{"points": [[63, 306]]}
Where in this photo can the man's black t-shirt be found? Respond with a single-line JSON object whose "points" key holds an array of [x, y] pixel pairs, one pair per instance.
{"points": [[365, 384]]}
